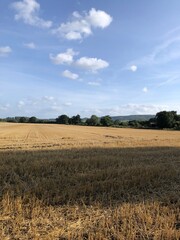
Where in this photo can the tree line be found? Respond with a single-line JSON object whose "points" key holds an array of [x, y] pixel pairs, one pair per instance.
{"points": [[32, 119], [163, 119]]}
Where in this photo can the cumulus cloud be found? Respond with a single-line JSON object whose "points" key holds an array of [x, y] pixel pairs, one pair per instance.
{"points": [[98, 18], [145, 89], [81, 25], [30, 45], [5, 51], [133, 68], [91, 64], [74, 30], [28, 11], [63, 58], [70, 75]]}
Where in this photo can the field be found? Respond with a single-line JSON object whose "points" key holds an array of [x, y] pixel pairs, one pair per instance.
{"points": [[73, 182]]}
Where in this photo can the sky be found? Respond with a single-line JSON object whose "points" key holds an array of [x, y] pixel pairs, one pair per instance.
{"points": [[86, 57]]}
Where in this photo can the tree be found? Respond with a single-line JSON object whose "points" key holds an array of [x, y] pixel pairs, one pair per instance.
{"points": [[124, 123], [106, 121], [63, 119], [117, 122], [134, 123], [166, 119], [32, 120], [178, 118], [22, 120], [75, 120], [92, 121], [10, 119], [17, 119]]}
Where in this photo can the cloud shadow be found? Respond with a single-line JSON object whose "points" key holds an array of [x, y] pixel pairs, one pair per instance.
{"points": [[108, 176]]}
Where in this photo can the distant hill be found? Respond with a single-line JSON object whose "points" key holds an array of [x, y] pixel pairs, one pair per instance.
{"points": [[129, 118], [133, 117]]}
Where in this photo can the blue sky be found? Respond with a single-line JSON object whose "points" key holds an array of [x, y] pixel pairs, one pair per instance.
{"points": [[89, 57]]}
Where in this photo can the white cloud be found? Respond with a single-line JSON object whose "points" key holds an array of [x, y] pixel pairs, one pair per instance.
{"points": [[48, 98], [39, 105], [63, 58], [131, 109], [91, 64], [73, 35], [30, 45], [140, 109], [133, 68], [145, 89], [70, 75], [28, 11], [94, 83], [5, 51], [74, 30], [81, 25], [98, 18], [44, 106]]}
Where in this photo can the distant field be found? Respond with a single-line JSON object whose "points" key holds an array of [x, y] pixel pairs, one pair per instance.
{"points": [[62, 182], [42, 136]]}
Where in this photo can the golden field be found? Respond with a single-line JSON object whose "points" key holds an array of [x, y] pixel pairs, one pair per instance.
{"points": [[44, 136], [75, 182]]}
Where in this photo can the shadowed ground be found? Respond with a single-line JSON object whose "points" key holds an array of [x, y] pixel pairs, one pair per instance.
{"points": [[92, 175], [92, 193], [74, 182]]}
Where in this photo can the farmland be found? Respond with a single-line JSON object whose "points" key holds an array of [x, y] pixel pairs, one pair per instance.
{"points": [[77, 182], [38, 136]]}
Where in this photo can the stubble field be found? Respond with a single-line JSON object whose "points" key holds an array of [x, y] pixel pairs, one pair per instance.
{"points": [[75, 182]]}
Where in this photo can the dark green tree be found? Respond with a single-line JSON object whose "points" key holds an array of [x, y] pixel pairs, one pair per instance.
{"points": [[124, 123], [10, 119], [135, 123], [32, 120], [106, 121], [117, 122], [75, 120], [63, 119], [17, 119], [166, 119], [93, 121], [178, 118], [23, 120]]}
